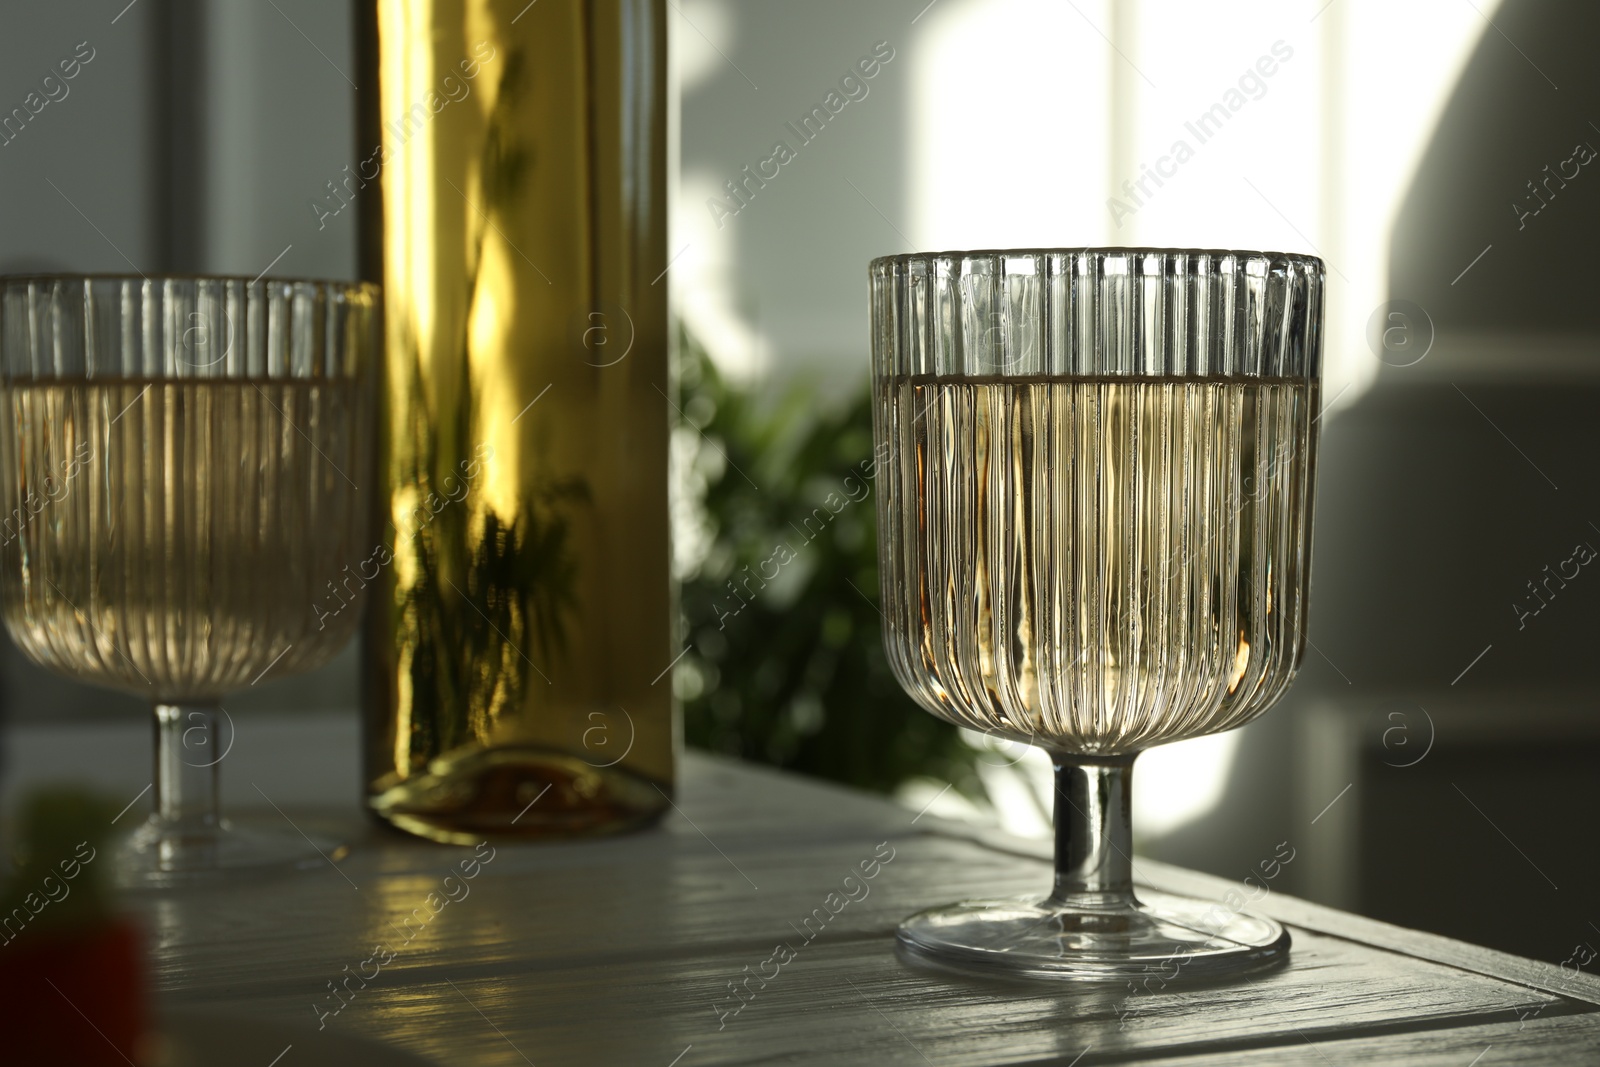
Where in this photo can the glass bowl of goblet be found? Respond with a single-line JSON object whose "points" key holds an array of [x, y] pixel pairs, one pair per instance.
{"points": [[1095, 537], [186, 465]]}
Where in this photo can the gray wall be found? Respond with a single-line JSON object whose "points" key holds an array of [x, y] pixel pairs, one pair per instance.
{"points": [[1517, 109], [800, 249], [78, 183]]}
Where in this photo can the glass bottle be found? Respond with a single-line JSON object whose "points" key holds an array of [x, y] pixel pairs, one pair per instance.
{"points": [[516, 672]]}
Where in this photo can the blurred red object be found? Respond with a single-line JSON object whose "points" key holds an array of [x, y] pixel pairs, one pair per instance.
{"points": [[74, 997]]}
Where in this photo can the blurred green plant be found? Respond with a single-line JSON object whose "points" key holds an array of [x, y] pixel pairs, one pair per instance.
{"points": [[62, 831], [777, 552]]}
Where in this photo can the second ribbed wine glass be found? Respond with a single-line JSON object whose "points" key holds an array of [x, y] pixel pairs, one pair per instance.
{"points": [[182, 466], [1095, 537]]}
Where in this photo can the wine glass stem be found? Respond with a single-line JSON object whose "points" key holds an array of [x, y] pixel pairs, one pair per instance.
{"points": [[188, 750], [1094, 833]]}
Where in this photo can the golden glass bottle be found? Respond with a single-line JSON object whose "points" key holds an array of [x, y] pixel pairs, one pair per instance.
{"points": [[515, 678]]}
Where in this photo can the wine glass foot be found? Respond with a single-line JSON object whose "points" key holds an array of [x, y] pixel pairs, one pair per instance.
{"points": [[1159, 937], [164, 855]]}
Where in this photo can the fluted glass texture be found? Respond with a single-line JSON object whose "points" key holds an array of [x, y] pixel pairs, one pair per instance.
{"points": [[1095, 528], [184, 468]]}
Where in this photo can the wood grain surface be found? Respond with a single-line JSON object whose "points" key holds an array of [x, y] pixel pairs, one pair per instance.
{"points": [[621, 951]]}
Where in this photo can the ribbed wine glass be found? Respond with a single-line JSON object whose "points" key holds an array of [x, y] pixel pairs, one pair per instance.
{"points": [[184, 466], [1095, 536]]}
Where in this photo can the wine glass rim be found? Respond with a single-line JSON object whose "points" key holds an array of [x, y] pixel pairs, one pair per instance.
{"points": [[156, 276], [1096, 251]]}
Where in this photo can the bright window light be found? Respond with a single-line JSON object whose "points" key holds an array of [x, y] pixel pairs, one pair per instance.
{"points": [[1009, 124], [1178, 783]]}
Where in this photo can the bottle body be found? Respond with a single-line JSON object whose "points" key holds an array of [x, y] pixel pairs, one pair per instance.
{"points": [[514, 678]]}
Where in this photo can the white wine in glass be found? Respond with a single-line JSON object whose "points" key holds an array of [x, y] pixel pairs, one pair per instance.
{"points": [[1095, 537], [181, 461]]}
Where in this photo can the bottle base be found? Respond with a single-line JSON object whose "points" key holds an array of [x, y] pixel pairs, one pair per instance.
{"points": [[519, 793]]}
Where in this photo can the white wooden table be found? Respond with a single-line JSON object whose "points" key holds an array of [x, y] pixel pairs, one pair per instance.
{"points": [[622, 951]]}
